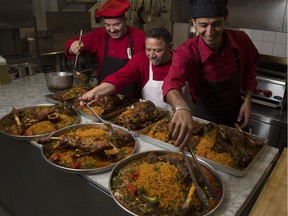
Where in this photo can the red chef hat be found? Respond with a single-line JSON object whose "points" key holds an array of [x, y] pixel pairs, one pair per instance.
{"points": [[113, 8]]}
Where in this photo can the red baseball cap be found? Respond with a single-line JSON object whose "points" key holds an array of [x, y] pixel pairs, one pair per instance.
{"points": [[113, 8]]}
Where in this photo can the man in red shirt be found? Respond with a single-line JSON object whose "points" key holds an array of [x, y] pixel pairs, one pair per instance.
{"points": [[217, 64], [113, 45], [147, 69]]}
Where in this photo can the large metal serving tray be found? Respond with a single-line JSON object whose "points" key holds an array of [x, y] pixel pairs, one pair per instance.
{"points": [[29, 138], [204, 165], [49, 97], [117, 113], [216, 165], [85, 171]]}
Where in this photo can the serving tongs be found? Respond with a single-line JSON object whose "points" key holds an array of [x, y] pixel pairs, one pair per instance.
{"points": [[204, 197], [77, 74], [238, 128]]}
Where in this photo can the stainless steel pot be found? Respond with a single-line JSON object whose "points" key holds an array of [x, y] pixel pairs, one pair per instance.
{"points": [[58, 81]]}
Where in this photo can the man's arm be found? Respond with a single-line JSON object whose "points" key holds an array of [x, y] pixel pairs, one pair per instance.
{"points": [[181, 124]]}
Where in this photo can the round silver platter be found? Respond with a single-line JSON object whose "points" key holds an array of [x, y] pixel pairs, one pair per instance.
{"points": [[124, 162], [92, 170], [33, 137]]}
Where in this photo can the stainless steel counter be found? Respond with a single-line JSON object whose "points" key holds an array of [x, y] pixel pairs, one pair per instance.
{"points": [[269, 115], [270, 123], [30, 176]]}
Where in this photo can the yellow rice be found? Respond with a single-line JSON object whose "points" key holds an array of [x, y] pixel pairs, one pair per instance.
{"points": [[95, 132], [44, 127], [161, 180], [98, 109], [204, 149]]}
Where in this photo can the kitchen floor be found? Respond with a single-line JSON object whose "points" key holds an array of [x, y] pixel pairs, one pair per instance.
{"points": [[4, 210]]}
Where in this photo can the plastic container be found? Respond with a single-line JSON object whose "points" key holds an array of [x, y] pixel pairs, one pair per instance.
{"points": [[4, 76], [31, 69]]}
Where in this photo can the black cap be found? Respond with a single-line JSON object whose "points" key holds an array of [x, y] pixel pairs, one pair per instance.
{"points": [[209, 8]]}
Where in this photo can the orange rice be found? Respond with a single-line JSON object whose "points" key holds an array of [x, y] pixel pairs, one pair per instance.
{"points": [[204, 149], [161, 180]]}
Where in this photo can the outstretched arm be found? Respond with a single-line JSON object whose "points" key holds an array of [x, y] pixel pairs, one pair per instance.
{"points": [[104, 89]]}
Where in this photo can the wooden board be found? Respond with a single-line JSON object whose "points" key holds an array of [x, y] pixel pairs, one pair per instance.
{"points": [[273, 198]]}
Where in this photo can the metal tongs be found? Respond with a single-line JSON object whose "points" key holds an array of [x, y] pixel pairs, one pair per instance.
{"points": [[107, 124], [202, 195]]}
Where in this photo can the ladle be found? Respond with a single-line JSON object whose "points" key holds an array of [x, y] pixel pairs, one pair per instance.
{"points": [[77, 74]]}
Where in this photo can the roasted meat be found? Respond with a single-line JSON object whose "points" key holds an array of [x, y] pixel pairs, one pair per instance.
{"points": [[139, 115], [109, 103], [234, 143]]}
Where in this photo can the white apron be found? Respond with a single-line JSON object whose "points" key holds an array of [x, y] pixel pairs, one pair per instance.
{"points": [[153, 91]]}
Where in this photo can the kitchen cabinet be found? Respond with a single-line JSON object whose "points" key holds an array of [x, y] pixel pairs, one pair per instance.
{"points": [[16, 14], [252, 14], [258, 14]]}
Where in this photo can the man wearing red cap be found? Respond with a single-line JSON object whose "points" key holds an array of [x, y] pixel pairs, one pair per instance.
{"points": [[217, 64], [113, 45]]}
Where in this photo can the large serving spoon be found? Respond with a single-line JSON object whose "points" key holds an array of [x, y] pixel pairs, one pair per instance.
{"points": [[106, 123], [77, 74]]}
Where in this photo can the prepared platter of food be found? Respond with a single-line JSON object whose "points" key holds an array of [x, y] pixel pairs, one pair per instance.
{"points": [[139, 115], [227, 149], [87, 148], [30, 122], [69, 96], [107, 106], [158, 183]]}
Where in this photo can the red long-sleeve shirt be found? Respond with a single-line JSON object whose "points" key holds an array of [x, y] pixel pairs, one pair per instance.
{"points": [[216, 66], [94, 42], [137, 70]]}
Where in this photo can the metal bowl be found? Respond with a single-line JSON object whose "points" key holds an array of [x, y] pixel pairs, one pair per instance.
{"points": [[88, 126], [118, 171], [58, 81]]}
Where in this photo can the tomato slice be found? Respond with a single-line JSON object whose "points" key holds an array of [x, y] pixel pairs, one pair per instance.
{"points": [[132, 189], [74, 164], [135, 176], [55, 157]]}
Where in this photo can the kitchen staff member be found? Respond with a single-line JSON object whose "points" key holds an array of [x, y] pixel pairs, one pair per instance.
{"points": [[217, 64], [113, 45], [148, 69]]}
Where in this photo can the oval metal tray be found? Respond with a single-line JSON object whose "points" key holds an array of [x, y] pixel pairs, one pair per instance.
{"points": [[29, 138], [85, 171], [204, 165]]}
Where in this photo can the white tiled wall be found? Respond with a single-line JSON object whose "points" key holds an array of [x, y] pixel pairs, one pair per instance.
{"points": [[267, 42]]}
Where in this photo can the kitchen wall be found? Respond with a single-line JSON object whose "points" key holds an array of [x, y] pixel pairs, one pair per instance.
{"points": [[267, 42]]}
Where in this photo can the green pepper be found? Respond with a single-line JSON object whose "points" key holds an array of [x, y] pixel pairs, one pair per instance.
{"points": [[150, 200]]}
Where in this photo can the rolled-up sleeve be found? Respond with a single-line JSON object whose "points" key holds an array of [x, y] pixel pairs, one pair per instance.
{"points": [[184, 68]]}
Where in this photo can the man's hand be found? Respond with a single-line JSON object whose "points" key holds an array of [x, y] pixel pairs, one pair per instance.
{"points": [[76, 46], [181, 127], [245, 111], [96, 93], [181, 124]]}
